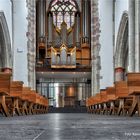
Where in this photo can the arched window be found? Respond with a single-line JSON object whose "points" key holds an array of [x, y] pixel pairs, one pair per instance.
{"points": [[63, 11]]}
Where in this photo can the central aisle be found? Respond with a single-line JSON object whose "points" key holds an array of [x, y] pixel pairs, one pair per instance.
{"points": [[69, 126]]}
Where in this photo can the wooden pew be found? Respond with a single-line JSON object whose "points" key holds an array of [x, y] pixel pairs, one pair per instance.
{"points": [[44, 104], [90, 103], [96, 107], [32, 102], [37, 107], [14, 97], [4, 91], [104, 101], [25, 100], [111, 98], [125, 101], [133, 81]]}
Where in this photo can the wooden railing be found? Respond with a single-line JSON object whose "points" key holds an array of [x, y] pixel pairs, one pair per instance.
{"points": [[80, 63]]}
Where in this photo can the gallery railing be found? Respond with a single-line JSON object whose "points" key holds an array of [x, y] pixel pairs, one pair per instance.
{"points": [[80, 63]]}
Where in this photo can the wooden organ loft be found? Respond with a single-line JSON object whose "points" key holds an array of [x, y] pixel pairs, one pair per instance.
{"points": [[63, 45]]}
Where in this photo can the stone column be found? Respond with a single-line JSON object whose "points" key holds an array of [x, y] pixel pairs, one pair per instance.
{"points": [[95, 46], [131, 50], [137, 36], [31, 5]]}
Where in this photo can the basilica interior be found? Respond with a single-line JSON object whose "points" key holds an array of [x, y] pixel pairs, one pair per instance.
{"points": [[66, 61]]}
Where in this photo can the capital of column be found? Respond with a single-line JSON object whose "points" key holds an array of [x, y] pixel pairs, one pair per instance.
{"points": [[119, 74], [7, 70]]}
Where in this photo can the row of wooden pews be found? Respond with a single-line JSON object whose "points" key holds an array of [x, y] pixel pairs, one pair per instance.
{"points": [[121, 99], [19, 100]]}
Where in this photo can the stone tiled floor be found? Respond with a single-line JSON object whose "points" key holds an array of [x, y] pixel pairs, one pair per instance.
{"points": [[69, 126]]}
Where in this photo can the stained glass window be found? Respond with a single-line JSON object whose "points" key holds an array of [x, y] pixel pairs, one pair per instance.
{"points": [[63, 11]]}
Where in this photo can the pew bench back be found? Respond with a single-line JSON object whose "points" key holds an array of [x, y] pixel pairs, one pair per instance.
{"points": [[5, 83]]}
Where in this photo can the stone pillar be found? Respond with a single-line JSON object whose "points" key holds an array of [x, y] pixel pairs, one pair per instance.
{"points": [[131, 50], [95, 46], [31, 5], [119, 74], [137, 36]]}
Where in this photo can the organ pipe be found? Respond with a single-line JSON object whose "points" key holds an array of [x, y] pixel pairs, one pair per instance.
{"points": [[85, 21], [41, 18], [77, 29], [50, 28], [64, 33]]}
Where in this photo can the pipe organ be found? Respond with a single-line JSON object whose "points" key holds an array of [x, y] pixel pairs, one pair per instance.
{"points": [[66, 45], [77, 29]]}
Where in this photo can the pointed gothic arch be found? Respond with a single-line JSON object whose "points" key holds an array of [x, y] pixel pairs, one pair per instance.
{"points": [[5, 43], [121, 52]]}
